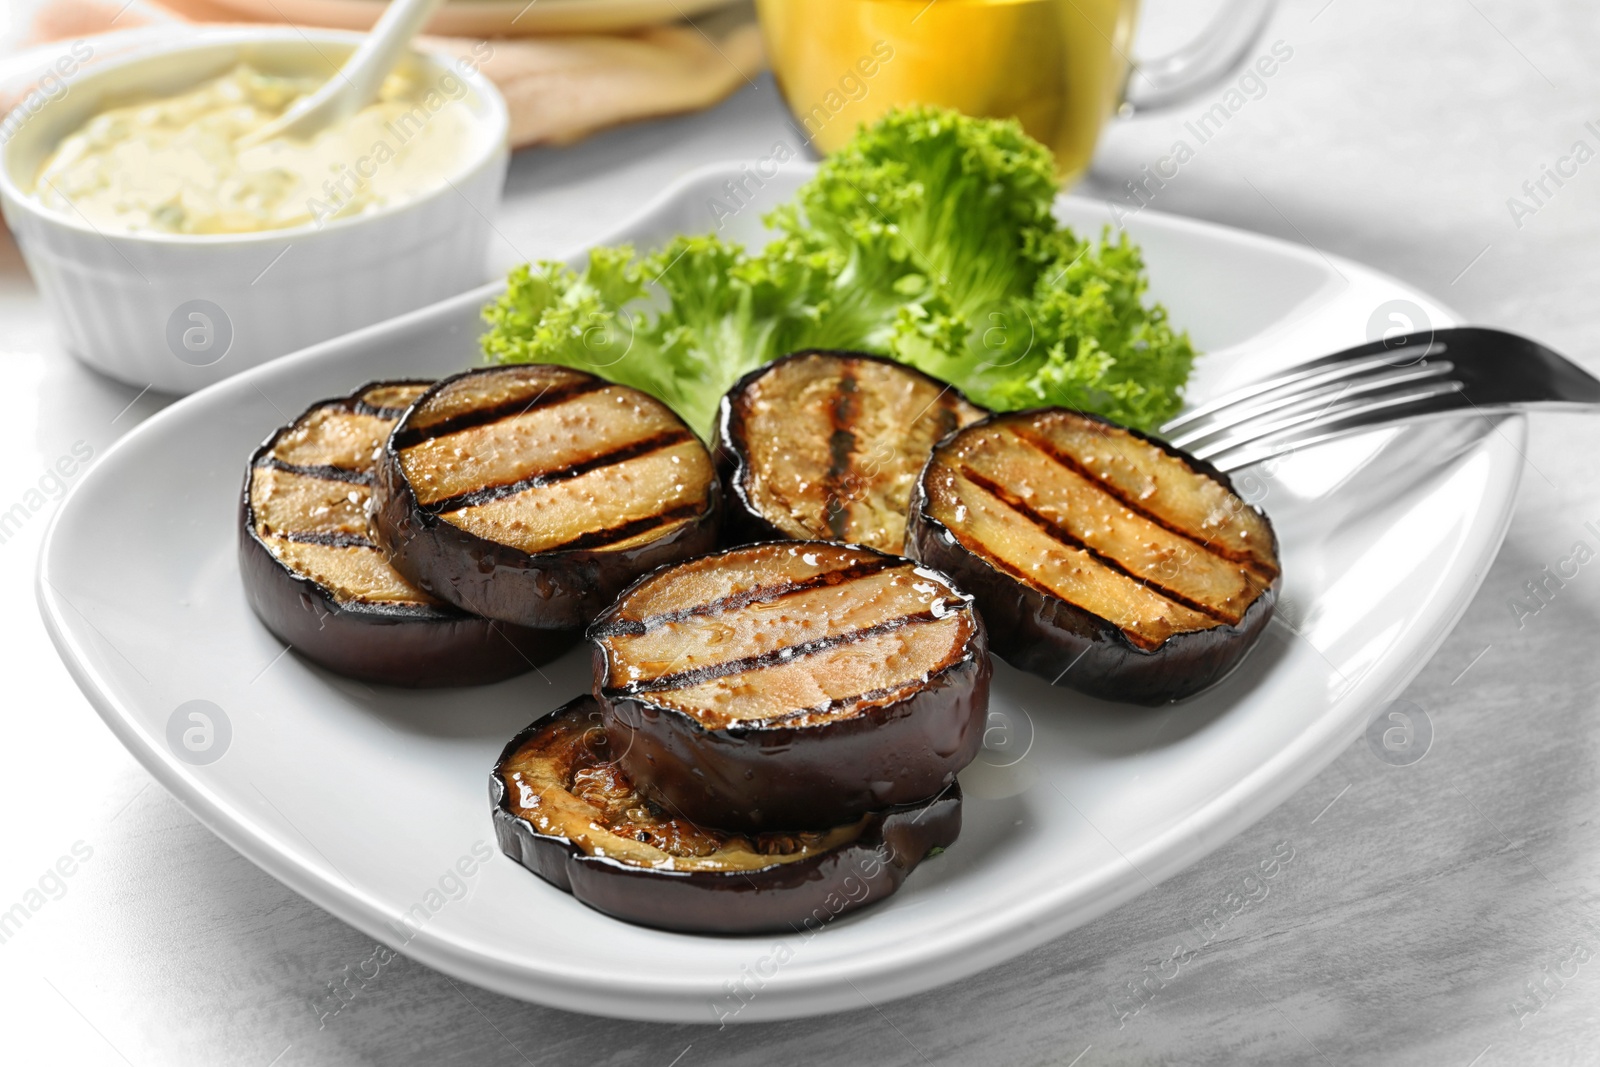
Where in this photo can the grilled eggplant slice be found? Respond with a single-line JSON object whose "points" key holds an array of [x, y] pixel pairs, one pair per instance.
{"points": [[315, 575], [828, 445], [564, 809], [792, 684], [533, 494], [1100, 558]]}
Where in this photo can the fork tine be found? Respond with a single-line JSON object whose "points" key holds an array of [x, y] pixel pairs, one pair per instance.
{"points": [[1488, 371], [1331, 414], [1373, 356], [1287, 403], [1409, 409]]}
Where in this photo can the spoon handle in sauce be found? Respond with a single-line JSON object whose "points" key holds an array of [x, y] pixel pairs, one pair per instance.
{"points": [[355, 84]]}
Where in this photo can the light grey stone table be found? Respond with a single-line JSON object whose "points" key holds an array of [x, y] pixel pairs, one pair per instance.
{"points": [[1440, 913]]}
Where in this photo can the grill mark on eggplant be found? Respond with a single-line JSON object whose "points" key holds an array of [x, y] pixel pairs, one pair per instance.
{"points": [[323, 472], [317, 537], [842, 414], [777, 657], [361, 407], [1137, 638], [1071, 463], [489, 493], [468, 420], [632, 528], [765, 594], [1010, 500], [801, 714]]}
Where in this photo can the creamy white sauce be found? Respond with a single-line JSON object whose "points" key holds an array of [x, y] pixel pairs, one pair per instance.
{"points": [[170, 165]]}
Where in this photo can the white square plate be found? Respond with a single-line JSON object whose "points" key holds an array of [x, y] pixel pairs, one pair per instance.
{"points": [[373, 802]]}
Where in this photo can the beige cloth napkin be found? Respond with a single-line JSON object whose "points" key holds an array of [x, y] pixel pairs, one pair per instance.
{"points": [[558, 89]]}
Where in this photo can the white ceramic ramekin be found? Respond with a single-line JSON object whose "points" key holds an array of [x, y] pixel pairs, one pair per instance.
{"points": [[177, 312]]}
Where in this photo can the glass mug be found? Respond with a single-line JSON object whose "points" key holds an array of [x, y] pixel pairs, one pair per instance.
{"points": [[1059, 66]]}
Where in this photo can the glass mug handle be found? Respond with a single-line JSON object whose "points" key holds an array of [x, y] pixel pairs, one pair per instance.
{"points": [[1178, 76]]}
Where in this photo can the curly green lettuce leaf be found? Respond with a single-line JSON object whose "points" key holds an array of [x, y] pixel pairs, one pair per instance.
{"points": [[928, 201], [552, 314], [1085, 338], [945, 224], [725, 314], [928, 238], [682, 324]]}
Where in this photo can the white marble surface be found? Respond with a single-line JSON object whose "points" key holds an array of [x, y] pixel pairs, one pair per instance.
{"points": [[1420, 902]]}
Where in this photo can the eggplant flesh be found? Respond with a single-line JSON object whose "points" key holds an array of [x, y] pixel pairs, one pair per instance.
{"points": [[316, 576], [564, 809], [828, 445], [1099, 558], [792, 683], [534, 494]]}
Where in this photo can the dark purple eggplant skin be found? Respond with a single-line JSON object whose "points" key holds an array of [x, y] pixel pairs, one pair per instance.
{"points": [[784, 898], [420, 648], [755, 778], [415, 648], [1042, 634], [542, 591], [744, 522]]}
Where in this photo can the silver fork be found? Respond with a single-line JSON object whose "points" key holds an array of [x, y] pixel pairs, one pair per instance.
{"points": [[1417, 376]]}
